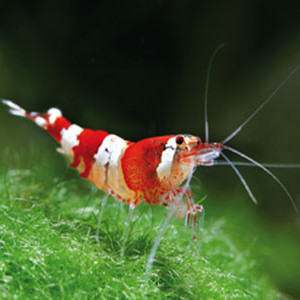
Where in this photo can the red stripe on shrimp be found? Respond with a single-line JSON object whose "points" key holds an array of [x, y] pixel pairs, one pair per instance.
{"points": [[88, 143], [139, 165], [56, 129]]}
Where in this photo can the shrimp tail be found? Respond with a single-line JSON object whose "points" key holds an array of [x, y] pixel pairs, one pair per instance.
{"points": [[14, 109], [52, 121]]}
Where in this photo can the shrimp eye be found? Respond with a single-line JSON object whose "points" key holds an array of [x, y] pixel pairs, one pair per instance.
{"points": [[179, 140]]}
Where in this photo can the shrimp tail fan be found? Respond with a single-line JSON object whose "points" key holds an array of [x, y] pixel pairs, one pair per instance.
{"points": [[14, 109]]}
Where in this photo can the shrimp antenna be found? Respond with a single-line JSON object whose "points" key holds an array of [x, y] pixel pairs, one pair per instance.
{"points": [[236, 131], [265, 169], [243, 181], [206, 91], [249, 164]]}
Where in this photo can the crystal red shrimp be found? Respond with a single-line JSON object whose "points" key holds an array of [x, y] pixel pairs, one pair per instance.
{"points": [[152, 169]]}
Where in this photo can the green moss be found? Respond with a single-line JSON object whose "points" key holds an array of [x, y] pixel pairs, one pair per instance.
{"points": [[48, 248]]}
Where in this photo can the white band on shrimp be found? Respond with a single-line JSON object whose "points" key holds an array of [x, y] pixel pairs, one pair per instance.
{"points": [[40, 121], [69, 138], [54, 113], [164, 168], [110, 150]]}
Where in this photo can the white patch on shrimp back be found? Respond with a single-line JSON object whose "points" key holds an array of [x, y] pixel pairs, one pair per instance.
{"points": [[107, 170], [54, 113], [110, 150], [164, 168], [69, 138], [40, 121]]}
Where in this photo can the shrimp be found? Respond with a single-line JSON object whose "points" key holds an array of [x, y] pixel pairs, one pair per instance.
{"points": [[152, 169]]}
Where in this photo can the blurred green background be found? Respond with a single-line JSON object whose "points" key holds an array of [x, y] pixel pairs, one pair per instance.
{"points": [[138, 69]]}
